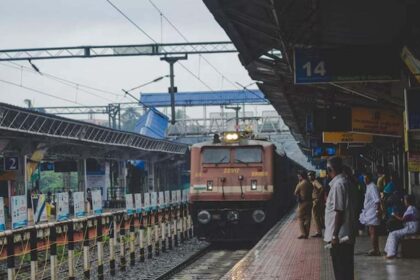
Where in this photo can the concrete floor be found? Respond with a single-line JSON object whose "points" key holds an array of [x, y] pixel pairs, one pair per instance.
{"points": [[378, 268]]}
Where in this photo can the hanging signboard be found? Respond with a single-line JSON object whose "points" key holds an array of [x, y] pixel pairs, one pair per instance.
{"points": [[11, 163], [376, 122], [79, 204], [63, 209], [97, 201], [161, 202], [19, 212], [346, 137], [40, 214], [2, 216], [346, 64], [146, 202], [414, 162], [137, 201], [153, 200], [129, 204]]}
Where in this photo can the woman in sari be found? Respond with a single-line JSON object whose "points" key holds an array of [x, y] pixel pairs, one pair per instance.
{"points": [[411, 225]]}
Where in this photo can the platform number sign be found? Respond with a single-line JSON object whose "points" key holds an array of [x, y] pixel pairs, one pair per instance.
{"points": [[310, 67], [11, 163]]}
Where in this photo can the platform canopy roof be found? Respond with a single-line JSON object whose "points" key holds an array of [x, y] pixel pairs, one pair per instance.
{"points": [[204, 98], [23, 129], [266, 32]]}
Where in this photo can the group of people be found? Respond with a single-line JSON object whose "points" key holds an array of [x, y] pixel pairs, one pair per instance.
{"points": [[345, 203]]}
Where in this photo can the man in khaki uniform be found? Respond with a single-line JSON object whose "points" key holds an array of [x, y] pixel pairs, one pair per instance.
{"points": [[303, 193], [318, 205]]}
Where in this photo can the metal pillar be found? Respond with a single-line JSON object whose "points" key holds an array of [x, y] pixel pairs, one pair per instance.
{"points": [[172, 89]]}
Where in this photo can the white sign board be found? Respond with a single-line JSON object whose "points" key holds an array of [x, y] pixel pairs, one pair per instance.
{"points": [[63, 209], [146, 201], [79, 204], [137, 200], [97, 202], [2, 219], [19, 212], [161, 202], [129, 204], [40, 214], [167, 198], [153, 200]]}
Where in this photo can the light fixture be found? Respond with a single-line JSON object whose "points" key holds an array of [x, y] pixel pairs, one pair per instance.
{"points": [[209, 185], [253, 185], [231, 137]]}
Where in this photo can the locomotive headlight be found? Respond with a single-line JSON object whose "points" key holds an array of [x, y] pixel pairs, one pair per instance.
{"points": [[231, 136], [209, 185], [253, 185], [204, 217], [258, 216]]}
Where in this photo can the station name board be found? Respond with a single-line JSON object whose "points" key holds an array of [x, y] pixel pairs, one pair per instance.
{"points": [[376, 122], [346, 137]]}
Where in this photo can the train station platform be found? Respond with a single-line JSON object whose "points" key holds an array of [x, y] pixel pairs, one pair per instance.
{"points": [[280, 255]]}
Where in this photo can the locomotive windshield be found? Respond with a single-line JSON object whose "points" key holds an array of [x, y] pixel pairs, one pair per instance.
{"points": [[216, 155], [248, 155]]}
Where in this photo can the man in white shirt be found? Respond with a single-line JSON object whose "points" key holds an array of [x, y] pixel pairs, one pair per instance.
{"points": [[340, 221]]}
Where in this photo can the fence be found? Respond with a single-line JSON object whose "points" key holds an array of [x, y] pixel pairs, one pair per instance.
{"points": [[92, 246]]}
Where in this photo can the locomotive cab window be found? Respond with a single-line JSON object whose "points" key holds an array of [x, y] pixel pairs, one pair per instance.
{"points": [[216, 155], [248, 155]]}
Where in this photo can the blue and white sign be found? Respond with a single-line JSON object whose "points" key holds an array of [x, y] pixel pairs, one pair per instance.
{"points": [[63, 209], [129, 204], [11, 163], [137, 201], [310, 66], [79, 204], [40, 214], [161, 202], [146, 202], [153, 200], [97, 202], [19, 212], [2, 217]]}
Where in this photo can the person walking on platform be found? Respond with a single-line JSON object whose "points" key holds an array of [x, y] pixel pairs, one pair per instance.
{"points": [[318, 204], [371, 213], [340, 221], [303, 193]]}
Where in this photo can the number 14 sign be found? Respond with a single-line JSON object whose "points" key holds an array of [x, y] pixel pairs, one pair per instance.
{"points": [[310, 67]]}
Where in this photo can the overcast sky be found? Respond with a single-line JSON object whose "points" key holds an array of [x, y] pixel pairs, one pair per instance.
{"points": [[56, 23]]}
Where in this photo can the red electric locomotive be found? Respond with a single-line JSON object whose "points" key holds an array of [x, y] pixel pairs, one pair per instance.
{"points": [[239, 187]]}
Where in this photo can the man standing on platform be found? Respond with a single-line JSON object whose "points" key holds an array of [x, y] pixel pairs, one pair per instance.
{"points": [[318, 204], [303, 193], [340, 221]]}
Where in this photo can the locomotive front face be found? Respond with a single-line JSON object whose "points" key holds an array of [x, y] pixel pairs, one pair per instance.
{"points": [[231, 187]]}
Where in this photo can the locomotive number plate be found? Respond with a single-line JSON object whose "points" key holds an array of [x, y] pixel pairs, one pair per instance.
{"points": [[231, 170]]}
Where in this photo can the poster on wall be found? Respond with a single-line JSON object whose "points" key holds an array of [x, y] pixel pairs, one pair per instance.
{"points": [[19, 212], [2, 218], [40, 214], [79, 204], [129, 204], [153, 200], [161, 202], [146, 202], [63, 209], [168, 198], [137, 201], [97, 202]]}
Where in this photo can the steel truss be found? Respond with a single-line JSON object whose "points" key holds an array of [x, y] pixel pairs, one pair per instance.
{"points": [[118, 50], [34, 123]]}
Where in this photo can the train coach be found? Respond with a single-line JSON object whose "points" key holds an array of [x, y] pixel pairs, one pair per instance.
{"points": [[240, 186]]}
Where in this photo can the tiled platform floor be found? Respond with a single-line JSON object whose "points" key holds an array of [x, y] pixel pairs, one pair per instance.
{"points": [[280, 255]]}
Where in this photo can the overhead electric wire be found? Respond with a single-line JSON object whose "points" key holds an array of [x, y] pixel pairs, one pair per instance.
{"points": [[41, 92], [153, 40], [186, 40]]}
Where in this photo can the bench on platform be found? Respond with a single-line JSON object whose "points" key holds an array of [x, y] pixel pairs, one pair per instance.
{"points": [[410, 246]]}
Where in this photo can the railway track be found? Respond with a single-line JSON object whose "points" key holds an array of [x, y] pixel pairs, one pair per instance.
{"points": [[210, 263]]}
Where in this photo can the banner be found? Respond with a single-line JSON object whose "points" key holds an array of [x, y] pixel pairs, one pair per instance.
{"points": [[376, 122], [97, 201], [79, 204], [2, 217], [19, 212], [137, 201], [146, 202], [40, 214], [129, 204], [153, 200], [161, 201], [346, 137], [63, 209]]}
